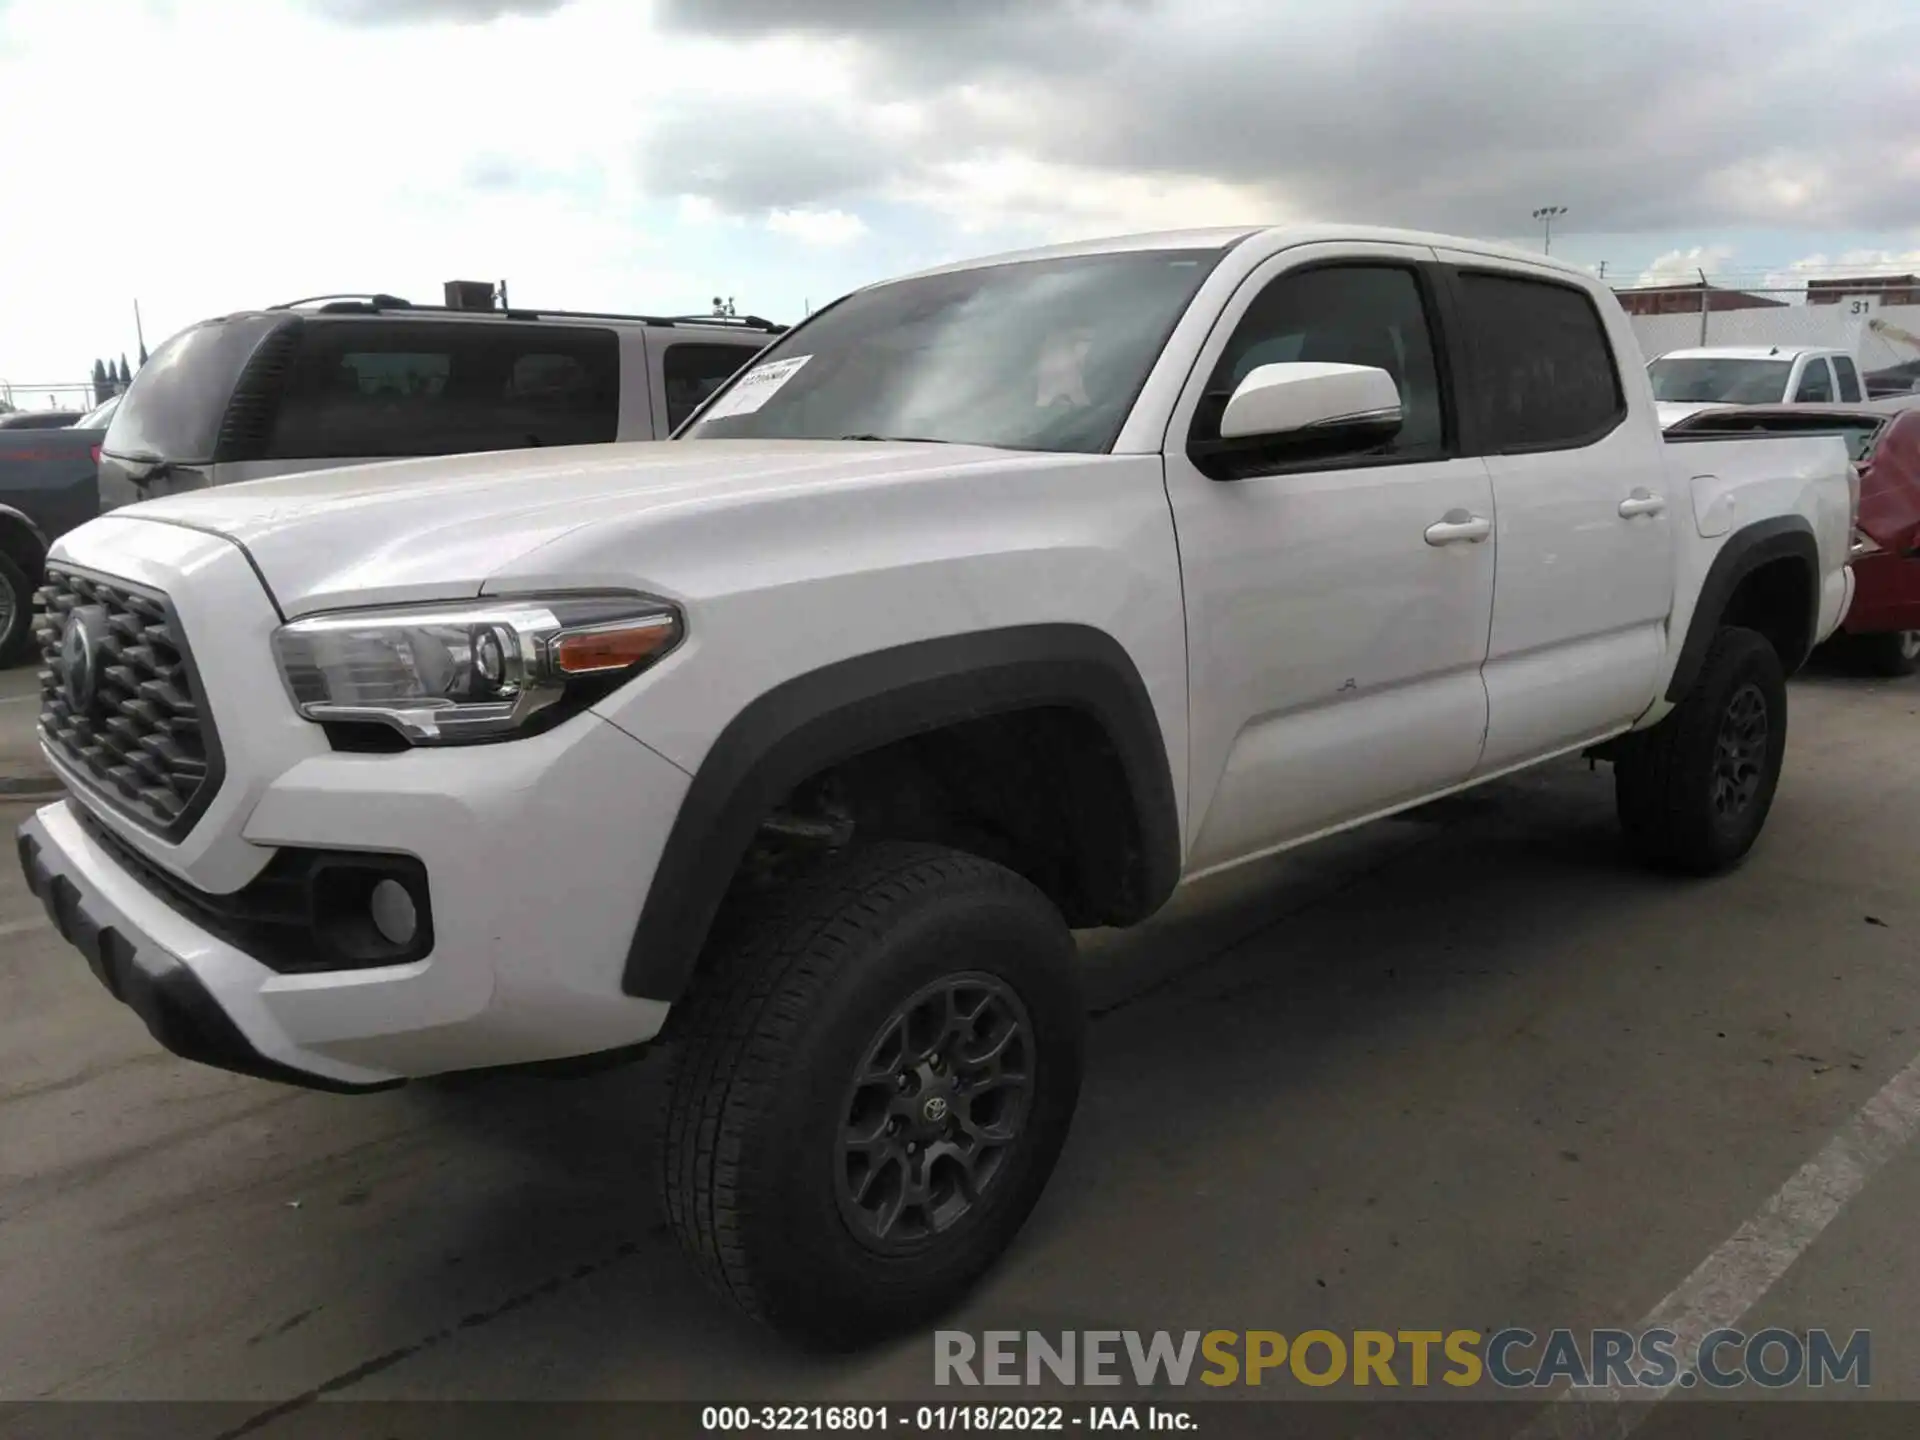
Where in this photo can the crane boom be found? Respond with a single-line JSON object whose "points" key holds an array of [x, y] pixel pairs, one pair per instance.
{"points": [[1894, 332]]}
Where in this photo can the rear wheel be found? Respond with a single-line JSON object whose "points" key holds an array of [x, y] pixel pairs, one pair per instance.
{"points": [[871, 1088], [1694, 791], [16, 612], [1893, 654]]}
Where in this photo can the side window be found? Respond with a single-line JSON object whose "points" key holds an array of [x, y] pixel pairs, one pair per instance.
{"points": [[692, 371], [1816, 385], [408, 387], [1347, 314], [1847, 378], [1543, 372], [392, 374]]}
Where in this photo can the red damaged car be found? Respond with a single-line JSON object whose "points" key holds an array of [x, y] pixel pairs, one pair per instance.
{"points": [[1883, 626]]}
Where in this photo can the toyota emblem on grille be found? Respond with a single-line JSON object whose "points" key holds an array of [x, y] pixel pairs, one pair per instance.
{"points": [[81, 657]]}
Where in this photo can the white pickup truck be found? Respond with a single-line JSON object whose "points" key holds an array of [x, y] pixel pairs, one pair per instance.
{"points": [[993, 602], [1686, 382]]}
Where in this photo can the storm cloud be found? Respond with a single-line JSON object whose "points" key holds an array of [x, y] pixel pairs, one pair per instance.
{"points": [[1458, 114], [767, 154]]}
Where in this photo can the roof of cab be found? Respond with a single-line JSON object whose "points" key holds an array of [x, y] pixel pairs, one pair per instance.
{"points": [[1750, 352], [1280, 236]]}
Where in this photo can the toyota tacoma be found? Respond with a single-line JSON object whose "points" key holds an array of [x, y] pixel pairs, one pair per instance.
{"points": [[988, 604]]}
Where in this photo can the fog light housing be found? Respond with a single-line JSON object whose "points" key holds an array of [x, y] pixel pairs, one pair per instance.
{"points": [[371, 910]]}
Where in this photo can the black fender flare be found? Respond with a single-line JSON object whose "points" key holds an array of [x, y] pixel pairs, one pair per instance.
{"points": [[845, 709], [9, 516], [1746, 550]]}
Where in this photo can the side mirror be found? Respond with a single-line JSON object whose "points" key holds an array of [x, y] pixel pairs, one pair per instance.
{"points": [[1327, 408]]}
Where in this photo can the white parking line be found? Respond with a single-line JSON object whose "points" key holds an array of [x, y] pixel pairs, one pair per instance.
{"points": [[20, 699], [21, 927], [1731, 1280]]}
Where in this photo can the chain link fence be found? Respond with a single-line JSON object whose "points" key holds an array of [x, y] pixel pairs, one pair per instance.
{"points": [[57, 395]]}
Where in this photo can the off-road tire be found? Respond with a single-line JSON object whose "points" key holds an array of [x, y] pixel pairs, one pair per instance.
{"points": [[16, 613], [1666, 778], [765, 1051]]}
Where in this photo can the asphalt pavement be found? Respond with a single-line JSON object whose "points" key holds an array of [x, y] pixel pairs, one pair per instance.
{"points": [[1466, 1068], [23, 772]]}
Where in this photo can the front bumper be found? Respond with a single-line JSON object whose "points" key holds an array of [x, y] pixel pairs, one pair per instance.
{"points": [[139, 971], [538, 853]]}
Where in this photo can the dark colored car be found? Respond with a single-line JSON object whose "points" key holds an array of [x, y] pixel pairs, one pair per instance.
{"points": [[49, 483], [1883, 624]]}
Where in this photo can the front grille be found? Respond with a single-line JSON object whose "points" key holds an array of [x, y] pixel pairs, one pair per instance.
{"points": [[120, 706]]}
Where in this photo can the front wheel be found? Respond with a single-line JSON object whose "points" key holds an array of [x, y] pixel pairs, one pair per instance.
{"points": [[16, 612], [871, 1086], [1693, 792]]}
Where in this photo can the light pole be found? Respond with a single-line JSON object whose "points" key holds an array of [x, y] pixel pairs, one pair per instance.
{"points": [[1546, 215]]}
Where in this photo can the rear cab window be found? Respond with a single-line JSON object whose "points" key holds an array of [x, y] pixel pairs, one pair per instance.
{"points": [[1543, 371], [374, 389]]}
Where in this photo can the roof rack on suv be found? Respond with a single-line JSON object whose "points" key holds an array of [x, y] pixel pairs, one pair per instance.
{"points": [[349, 300], [354, 302]]}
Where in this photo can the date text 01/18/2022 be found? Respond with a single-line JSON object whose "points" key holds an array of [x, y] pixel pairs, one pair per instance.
{"points": [[939, 1419]]}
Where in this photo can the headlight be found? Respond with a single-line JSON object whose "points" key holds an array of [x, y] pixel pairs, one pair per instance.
{"points": [[1863, 545], [480, 670]]}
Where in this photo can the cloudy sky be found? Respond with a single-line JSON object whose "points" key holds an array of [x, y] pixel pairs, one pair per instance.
{"points": [[205, 155]]}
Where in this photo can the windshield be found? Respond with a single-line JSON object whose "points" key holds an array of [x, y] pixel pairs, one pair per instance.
{"points": [[96, 418], [1034, 355], [1707, 381]]}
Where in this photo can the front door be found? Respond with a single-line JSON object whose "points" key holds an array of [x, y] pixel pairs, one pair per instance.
{"points": [[1337, 611]]}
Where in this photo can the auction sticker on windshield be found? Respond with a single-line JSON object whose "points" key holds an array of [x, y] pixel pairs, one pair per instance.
{"points": [[755, 388]]}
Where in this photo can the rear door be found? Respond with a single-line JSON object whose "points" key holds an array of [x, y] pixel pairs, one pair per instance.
{"points": [[1585, 542], [685, 368]]}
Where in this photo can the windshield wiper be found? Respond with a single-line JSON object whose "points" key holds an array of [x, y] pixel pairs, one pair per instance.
{"points": [[901, 439]]}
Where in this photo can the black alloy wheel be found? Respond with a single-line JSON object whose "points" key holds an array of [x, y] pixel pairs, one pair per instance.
{"points": [[1740, 757], [938, 1104]]}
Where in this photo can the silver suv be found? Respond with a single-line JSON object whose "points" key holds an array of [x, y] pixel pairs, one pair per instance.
{"points": [[339, 380]]}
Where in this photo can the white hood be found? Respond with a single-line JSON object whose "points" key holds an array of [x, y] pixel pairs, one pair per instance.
{"points": [[439, 528]]}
